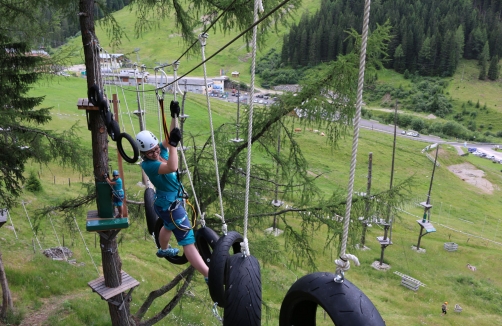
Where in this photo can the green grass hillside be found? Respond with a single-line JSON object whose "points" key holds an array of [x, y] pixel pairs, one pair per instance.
{"points": [[164, 44], [472, 100], [463, 213]]}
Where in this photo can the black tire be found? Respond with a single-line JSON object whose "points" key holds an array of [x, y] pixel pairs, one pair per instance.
{"points": [[151, 216], [105, 113], [94, 95], [217, 264], [113, 129], [205, 239], [242, 292], [345, 304], [177, 260], [120, 148]]}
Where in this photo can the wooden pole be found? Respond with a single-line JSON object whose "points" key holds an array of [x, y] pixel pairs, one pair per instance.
{"points": [[111, 262]]}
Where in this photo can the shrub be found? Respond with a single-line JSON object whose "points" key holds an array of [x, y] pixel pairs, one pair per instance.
{"points": [[32, 183]]}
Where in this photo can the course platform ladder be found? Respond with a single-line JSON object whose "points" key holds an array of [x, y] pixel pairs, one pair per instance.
{"points": [[409, 282], [450, 246]]}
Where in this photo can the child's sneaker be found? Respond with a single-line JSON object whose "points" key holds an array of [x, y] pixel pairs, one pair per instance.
{"points": [[169, 252], [206, 279]]}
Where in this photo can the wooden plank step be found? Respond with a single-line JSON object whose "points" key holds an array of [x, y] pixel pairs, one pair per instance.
{"points": [[98, 286], [107, 224], [429, 228], [95, 223], [84, 104], [384, 242]]}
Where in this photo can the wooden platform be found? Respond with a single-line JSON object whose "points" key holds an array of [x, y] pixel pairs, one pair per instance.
{"points": [[424, 204], [84, 104], [98, 285], [95, 223], [384, 242], [427, 226]]}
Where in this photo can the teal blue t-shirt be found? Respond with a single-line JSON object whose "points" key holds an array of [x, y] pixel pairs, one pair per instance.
{"points": [[118, 184], [168, 188]]}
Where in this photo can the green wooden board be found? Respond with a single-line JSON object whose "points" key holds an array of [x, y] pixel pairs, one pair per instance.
{"points": [[107, 224]]}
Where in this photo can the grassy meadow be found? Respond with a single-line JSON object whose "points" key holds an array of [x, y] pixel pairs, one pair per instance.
{"points": [[461, 213]]}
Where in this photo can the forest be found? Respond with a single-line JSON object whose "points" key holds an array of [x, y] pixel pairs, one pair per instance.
{"points": [[429, 37], [69, 25]]}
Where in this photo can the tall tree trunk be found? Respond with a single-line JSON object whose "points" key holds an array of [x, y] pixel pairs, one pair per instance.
{"points": [[112, 265], [6, 298]]}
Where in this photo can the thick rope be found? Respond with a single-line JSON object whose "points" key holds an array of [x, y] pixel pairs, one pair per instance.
{"points": [[343, 264], [31, 225], [59, 242], [85, 244], [13, 228], [245, 245], [202, 40]]}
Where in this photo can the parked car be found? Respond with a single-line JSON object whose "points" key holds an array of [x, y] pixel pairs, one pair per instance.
{"points": [[472, 149]]}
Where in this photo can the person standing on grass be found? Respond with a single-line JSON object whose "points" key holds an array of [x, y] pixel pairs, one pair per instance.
{"points": [[444, 307], [160, 163], [118, 192]]}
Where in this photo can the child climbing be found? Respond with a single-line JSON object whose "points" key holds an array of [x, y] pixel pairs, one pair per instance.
{"points": [[160, 163], [118, 192]]}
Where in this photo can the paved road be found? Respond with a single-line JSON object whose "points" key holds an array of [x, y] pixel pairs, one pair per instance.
{"points": [[482, 147]]}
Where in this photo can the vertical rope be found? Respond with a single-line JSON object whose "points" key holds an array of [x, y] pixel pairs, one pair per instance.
{"points": [[245, 246], [202, 40], [13, 228], [343, 263], [22, 202], [97, 270], [59, 242]]}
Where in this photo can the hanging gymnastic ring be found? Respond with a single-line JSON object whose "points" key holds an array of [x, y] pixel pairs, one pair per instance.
{"points": [[151, 216], [345, 304], [217, 264], [113, 129], [205, 240], [242, 291], [94, 95], [134, 146], [177, 260]]}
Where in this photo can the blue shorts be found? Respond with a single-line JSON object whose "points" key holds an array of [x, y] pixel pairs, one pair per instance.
{"points": [[118, 197], [176, 219]]}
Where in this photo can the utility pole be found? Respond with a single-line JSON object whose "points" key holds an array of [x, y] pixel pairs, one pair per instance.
{"points": [[111, 262]]}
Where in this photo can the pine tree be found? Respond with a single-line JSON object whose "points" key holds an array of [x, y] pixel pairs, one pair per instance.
{"points": [[493, 70], [483, 61], [399, 59], [21, 137]]}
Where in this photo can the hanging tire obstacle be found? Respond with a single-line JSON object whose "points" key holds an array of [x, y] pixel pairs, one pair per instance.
{"points": [[242, 291], [122, 153], [177, 260], [205, 240], [94, 95], [113, 129], [218, 262], [345, 304], [151, 216]]}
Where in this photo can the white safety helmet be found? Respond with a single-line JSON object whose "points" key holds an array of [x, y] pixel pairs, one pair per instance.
{"points": [[146, 140]]}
